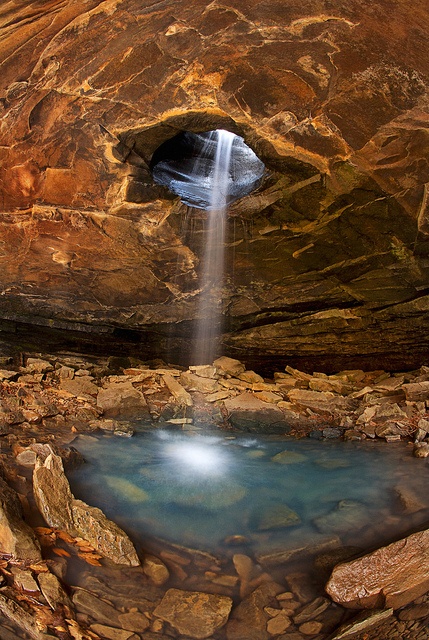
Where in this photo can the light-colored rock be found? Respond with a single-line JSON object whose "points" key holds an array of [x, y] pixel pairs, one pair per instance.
{"points": [[194, 382], [278, 624], [416, 391], [60, 509], [103, 534], [52, 492], [248, 413], [37, 365], [268, 396], [311, 610], [23, 579], [250, 376], [179, 393], [82, 386], [52, 590], [155, 569], [421, 450], [204, 371], [126, 489], [111, 633], [310, 628], [392, 576], [193, 613], [229, 366], [289, 457], [121, 399]]}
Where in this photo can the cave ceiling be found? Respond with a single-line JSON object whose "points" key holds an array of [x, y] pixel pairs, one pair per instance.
{"points": [[327, 261]]}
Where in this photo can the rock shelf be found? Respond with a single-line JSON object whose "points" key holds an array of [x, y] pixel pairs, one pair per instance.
{"points": [[172, 591]]}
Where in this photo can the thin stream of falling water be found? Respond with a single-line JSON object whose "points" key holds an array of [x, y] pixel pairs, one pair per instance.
{"points": [[210, 307]]}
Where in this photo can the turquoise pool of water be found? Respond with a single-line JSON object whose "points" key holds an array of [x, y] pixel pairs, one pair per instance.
{"points": [[198, 489]]}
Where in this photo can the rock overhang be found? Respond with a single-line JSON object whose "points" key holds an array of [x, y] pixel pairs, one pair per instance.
{"points": [[338, 225]]}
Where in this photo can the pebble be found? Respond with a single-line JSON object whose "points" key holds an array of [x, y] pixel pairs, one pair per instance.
{"points": [[310, 628]]}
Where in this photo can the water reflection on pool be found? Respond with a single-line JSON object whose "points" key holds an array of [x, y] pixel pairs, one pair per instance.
{"points": [[200, 490]]}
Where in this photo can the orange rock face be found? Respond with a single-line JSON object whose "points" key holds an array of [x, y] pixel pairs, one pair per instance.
{"points": [[327, 262], [392, 576]]}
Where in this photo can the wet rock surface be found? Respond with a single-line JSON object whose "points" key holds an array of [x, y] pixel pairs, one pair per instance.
{"points": [[327, 262]]}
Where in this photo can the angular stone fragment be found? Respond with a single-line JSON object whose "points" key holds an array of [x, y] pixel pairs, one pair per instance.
{"points": [[249, 619], [21, 617], [193, 613], [229, 366], [134, 621], [311, 610], [321, 402], [81, 386], [155, 569], [278, 624], [52, 492], [60, 509], [364, 621], [90, 604], [52, 590], [177, 391], [198, 383], [416, 391], [247, 413], [103, 534], [111, 633], [121, 399], [392, 576]]}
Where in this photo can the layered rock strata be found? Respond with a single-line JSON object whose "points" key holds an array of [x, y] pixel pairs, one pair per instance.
{"points": [[327, 262]]}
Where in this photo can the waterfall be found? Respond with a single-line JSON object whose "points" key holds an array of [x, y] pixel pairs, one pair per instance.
{"points": [[209, 317]]}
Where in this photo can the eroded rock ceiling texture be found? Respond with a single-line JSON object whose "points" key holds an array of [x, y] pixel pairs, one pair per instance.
{"points": [[327, 262]]}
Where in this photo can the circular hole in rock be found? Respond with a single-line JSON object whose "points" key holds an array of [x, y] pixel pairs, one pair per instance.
{"points": [[185, 165]]}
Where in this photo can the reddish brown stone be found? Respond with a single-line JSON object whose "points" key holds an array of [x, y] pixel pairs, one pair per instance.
{"points": [[392, 576]]}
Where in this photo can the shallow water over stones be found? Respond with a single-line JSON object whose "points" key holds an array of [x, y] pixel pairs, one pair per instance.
{"points": [[278, 498]]}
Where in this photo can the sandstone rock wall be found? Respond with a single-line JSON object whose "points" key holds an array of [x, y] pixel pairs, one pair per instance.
{"points": [[327, 262]]}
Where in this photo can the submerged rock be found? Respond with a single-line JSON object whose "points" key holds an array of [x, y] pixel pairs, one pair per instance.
{"points": [[276, 517], [347, 515], [249, 619], [193, 613], [392, 576]]}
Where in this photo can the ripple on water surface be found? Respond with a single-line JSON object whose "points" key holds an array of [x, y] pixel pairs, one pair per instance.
{"points": [[198, 490]]}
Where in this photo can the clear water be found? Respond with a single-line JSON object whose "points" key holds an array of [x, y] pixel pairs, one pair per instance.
{"points": [[197, 490]]}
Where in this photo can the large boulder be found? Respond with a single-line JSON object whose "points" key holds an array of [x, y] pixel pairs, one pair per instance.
{"points": [[327, 263], [247, 413], [60, 509], [392, 576]]}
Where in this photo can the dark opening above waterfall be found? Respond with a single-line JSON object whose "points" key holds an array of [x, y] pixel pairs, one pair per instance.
{"points": [[185, 164]]}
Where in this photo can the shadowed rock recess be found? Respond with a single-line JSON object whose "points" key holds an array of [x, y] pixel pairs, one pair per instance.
{"points": [[327, 261]]}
